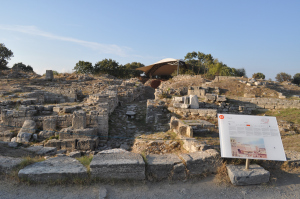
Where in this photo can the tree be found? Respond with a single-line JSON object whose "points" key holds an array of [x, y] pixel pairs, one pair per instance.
{"points": [[296, 78], [22, 67], [84, 67], [5, 54], [201, 63], [133, 65], [280, 77], [241, 72], [105, 65], [258, 76]]}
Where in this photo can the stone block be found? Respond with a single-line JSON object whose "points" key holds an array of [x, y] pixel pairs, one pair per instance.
{"points": [[45, 134], [118, 165], [49, 75], [34, 149], [57, 109], [68, 144], [54, 143], [160, 167], [6, 136], [254, 175], [177, 105], [86, 144], [194, 104], [75, 154], [174, 124], [257, 83], [210, 97], [47, 151], [24, 137], [30, 113], [178, 99], [48, 108], [179, 172], [8, 163], [185, 106], [84, 133], [97, 140], [221, 98], [29, 126], [79, 120], [182, 130], [66, 133], [69, 109], [49, 124], [54, 169], [189, 131], [201, 162]]}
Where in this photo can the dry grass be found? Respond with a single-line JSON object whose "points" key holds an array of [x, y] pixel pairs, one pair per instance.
{"points": [[167, 142], [290, 115], [291, 143], [221, 176], [86, 161], [13, 175]]}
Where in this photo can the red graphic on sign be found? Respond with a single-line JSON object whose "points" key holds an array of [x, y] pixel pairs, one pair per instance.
{"points": [[221, 117], [248, 125]]}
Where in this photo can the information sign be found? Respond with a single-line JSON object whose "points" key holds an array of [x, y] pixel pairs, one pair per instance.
{"points": [[250, 137]]}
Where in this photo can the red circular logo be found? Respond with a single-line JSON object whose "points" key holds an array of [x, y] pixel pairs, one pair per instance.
{"points": [[221, 117]]}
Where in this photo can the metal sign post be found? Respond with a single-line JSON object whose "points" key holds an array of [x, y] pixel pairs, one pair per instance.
{"points": [[247, 164]]}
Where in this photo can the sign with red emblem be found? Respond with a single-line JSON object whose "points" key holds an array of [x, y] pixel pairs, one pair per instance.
{"points": [[250, 137]]}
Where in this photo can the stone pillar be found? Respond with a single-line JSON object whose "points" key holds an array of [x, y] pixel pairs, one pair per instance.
{"points": [[102, 122], [49, 75], [194, 104], [186, 100], [79, 120]]}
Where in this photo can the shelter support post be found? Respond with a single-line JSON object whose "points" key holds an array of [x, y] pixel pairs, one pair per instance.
{"points": [[178, 69]]}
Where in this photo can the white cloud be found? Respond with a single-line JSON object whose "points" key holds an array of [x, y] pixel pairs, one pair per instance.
{"points": [[101, 48]]}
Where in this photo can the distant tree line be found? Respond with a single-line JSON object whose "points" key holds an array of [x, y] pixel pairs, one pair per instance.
{"points": [[197, 62], [281, 77], [109, 66]]}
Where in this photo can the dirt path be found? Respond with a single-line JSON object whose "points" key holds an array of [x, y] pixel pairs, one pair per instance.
{"points": [[288, 186]]}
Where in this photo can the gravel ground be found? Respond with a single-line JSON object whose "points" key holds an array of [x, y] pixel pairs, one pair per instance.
{"points": [[287, 186]]}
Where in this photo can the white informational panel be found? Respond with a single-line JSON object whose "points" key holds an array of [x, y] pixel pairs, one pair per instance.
{"points": [[250, 137]]}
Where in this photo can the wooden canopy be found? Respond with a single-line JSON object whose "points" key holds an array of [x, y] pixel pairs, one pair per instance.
{"points": [[163, 67]]}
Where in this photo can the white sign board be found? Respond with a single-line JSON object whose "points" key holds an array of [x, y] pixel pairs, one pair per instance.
{"points": [[250, 137]]}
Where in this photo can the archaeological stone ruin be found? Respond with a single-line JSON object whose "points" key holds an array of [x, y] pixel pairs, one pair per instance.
{"points": [[129, 134]]}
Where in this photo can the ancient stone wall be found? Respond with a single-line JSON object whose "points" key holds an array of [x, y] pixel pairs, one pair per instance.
{"points": [[265, 103], [157, 115], [54, 95], [220, 78], [185, 132]]}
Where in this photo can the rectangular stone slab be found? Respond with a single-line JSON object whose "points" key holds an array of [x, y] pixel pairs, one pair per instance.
{"points": [[161, 167], [8, 163], [254, 175], [123, 165], [52, 169], [202, 161]]}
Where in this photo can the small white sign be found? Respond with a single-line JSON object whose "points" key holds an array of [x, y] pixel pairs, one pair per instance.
{"points": [[250, 137]]}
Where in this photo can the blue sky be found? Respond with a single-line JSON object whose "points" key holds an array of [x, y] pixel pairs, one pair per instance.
{"points": [[260, 36]]}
